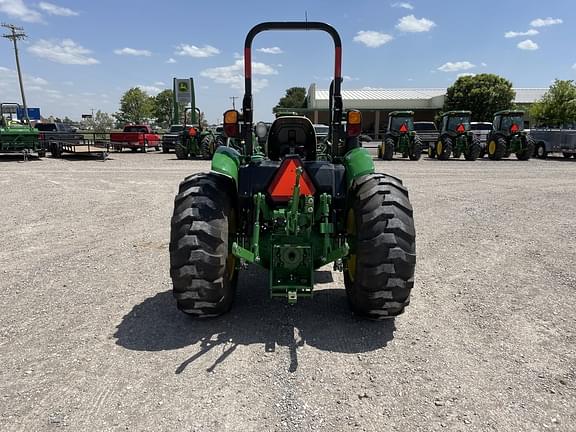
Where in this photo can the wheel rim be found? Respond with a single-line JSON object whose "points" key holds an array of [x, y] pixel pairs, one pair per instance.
{"points": [[429, 151], [439, 148], [351, 231], [492, 147], [541, 151]]}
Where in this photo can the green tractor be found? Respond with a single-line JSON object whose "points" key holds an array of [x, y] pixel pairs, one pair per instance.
{"points": [[292, 210], [456, 138], [195, 140], [16, 137], [508, 136], [400, 137]]}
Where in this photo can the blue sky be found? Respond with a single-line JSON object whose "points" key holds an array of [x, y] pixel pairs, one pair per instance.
{"points": [[85, 54]]}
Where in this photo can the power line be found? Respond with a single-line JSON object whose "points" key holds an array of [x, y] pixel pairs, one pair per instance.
{"points": [[16, 34]]}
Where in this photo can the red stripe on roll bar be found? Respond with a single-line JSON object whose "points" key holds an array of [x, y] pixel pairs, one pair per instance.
{"points": [[338, 63], [247, 63]]}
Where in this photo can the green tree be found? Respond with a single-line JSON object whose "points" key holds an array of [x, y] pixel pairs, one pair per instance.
{"points": [[295, 98], [163, 107], [135, 107], [558, 106], [100, 122], [483, 94]]}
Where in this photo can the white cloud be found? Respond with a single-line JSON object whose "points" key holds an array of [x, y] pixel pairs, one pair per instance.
{"points": [[513, 34], [9, 77], [18, 9], [53, 9], [66, 52], [271, 50], [528, 45], [411, 24], [456, 66], [170, 60], [574, 66], [483, 64], [197, 52], [132, 52], [159, 83], [233, 74], [465, 74], [403, 5], [545, 22], [151, 90], [372, 39]]}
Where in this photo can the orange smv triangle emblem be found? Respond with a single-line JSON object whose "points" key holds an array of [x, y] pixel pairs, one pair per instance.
{"points": [[403, 128], [460, 128], [282, 187]]}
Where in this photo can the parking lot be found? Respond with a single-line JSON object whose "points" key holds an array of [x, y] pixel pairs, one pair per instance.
{"points": [[90, 337]]}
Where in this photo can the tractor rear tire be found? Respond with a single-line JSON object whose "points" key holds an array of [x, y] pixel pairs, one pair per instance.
{"points": [[379, 272], [203, 271], [181, 152], [443, 148], [527, 153], [165, 149], [416, 151], [474, 150], [388, 153], [207, 146], [497, 148]]}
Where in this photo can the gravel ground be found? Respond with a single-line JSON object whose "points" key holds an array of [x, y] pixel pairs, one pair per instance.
{"points": [[90, 338]]}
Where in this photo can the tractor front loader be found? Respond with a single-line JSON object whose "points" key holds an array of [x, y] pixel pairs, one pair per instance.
{"points": [[292, 208]]}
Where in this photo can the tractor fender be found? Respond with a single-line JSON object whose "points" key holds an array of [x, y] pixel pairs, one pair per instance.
{"points": [[357, 162], [226, 161]]}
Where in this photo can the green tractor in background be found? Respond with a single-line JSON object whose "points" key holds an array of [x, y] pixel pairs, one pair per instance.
{"points": [[16, 137], [400, 137], [195, 140], [508, 136], [456, 138], [292, 208]]}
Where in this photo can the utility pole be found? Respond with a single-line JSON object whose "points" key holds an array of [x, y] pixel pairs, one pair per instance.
{"points": [[17, 33], [234, 101]]}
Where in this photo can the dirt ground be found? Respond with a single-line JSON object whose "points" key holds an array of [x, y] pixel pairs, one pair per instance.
{"points": [[90, 337]]}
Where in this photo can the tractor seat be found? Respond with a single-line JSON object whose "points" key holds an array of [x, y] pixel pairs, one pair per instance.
{"points": [[292, 135]]}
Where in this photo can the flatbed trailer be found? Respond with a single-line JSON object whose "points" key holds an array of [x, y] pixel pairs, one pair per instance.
{"points": [[554, 141], [86, 144]]}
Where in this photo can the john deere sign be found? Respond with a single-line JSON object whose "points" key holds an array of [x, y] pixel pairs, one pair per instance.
{"points": [[183, 90]]}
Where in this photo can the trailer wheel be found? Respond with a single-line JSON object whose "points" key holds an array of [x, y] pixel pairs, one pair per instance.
{"points": [[379, 272], [567, 155], [388, 153], [165, 149], [202, 267], [55, 150], [541, 152], [145, 147], [431, 151]]}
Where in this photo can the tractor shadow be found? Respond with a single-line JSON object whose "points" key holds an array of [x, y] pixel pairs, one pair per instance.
{"points": [[323, 322]]}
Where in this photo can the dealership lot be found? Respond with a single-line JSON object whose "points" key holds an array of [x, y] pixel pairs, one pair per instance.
{"points": [[90, 338]]}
